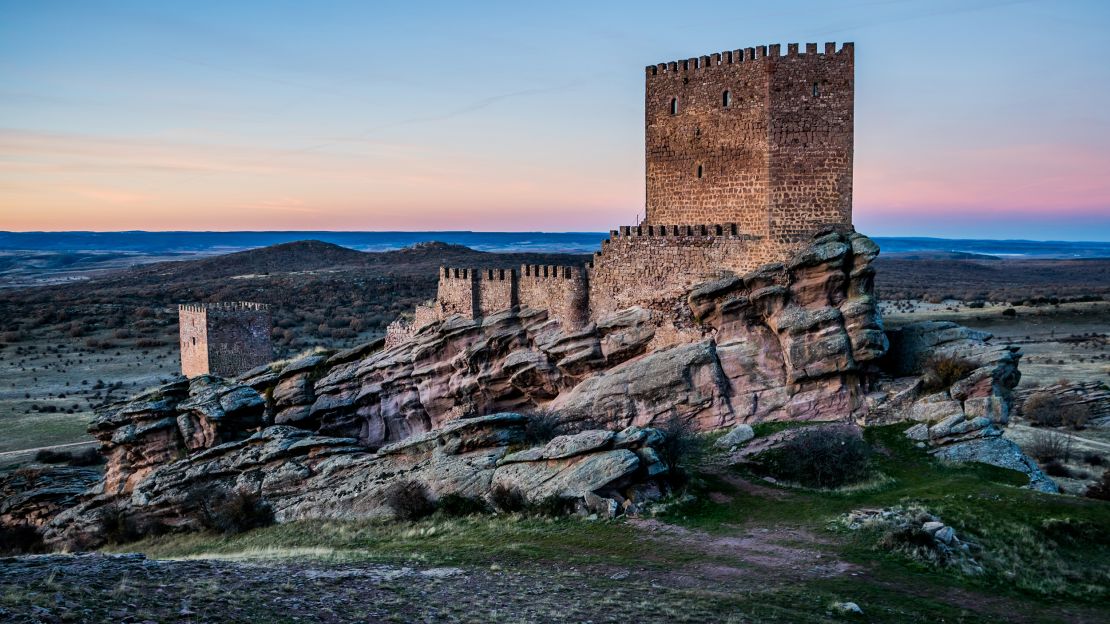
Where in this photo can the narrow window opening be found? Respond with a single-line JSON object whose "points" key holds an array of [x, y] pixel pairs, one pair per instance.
{"points": [[816, 90], [726, 99], [194, 341], [674, 106], [700, 171]]}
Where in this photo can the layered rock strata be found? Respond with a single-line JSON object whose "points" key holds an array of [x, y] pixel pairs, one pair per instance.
{"points": [[299, 474]]}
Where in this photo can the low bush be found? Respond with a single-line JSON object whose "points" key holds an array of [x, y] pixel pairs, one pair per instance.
{"points": [[681, 448], [542, 426], [507, 500], [231, 511], [87, 457], [1094, 459], [1048, 446], [457, 505], [827, 456], [552, 506], [20, 539], [1100, 489], [939, 372], [116, 526], [409, 500], [1055, 469], [1048, 410]]}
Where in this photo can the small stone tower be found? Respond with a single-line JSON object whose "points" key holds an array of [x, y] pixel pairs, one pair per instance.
{"points": [[753, 137], [224, 339]]}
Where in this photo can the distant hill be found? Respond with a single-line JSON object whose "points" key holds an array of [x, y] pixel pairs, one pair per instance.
{"points": [[322, 293]]}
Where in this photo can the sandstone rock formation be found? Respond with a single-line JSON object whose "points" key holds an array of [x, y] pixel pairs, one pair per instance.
{"points": [[299, 474], [787, 341], [960, 392], [33, 495]]}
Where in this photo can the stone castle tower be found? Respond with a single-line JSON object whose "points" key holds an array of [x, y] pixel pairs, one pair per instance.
{"points": [[748, 158], [224, 339], [752, 137]]}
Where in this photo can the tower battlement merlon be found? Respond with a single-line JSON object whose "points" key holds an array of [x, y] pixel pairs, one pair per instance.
{"points": [[731, 230], [748, 55], [228, 306], [551, 271]]}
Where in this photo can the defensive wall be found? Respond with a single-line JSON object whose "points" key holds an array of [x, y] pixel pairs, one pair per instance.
{"points": [[224, 339]]}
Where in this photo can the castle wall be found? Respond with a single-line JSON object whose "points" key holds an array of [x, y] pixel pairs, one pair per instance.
{"points": [[562, 291], [497, 290], [651, 266], [224, 339], [728, 143], [238, 338], [776, 159], [458, 292], [192, 323], [811, 139]]}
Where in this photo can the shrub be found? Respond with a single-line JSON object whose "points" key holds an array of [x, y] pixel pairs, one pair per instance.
{"points": [[826, 456], [1075, 415], [87, 457], [542, 426], [1094, 459], [1009, 312], [681, 446], [553, 506], [230, 511], [116, 526], [939, 372], [457, 505], [507, 500], [409, 500], [20, 539], [1049, 445], [1043, 409], [1055, 469], [1100, 489]]}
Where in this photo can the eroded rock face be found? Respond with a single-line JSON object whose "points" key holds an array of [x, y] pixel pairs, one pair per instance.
{"points": [[965, 420], [33, 495], [788, 341], [161, 426], [303, 475]]}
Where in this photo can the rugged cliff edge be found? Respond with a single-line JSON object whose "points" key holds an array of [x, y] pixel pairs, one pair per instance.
{"points": [[324, 435], [788, 341]]}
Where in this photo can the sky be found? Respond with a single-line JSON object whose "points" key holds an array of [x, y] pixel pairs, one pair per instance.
{"points": [[974, 118]]}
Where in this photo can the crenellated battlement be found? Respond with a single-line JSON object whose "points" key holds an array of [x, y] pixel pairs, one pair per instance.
{"points": [[227, 306], [539, 271], [750, 55]]}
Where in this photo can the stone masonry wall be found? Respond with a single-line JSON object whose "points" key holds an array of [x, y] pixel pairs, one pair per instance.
{"points": [[192, 323], [752, 137], [224, 339], [239, 338], [652, 266], [458, 292], [562, 291], [497, 290], [811, 138]]}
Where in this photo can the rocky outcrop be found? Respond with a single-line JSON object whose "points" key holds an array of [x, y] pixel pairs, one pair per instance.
{"points": [[161, 426], [788, 341], [960, 395], [299, 474], [33, 495], [1093, 397]]}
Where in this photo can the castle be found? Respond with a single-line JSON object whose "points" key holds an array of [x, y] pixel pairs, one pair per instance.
{"points": [[224, 339], [748, 157]]}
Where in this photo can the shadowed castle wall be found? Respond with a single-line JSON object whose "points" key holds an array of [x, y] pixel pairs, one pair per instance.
{"points": [[224, 339]]}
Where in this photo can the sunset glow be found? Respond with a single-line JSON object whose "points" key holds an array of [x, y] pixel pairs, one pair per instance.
{"points": [[359, 116]]}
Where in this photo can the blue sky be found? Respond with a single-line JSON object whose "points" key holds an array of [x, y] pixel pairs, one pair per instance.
{"points": [[973, 119]]}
